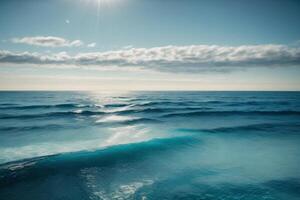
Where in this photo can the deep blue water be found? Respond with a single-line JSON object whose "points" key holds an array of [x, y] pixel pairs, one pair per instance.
{"points": [[150, 145]]}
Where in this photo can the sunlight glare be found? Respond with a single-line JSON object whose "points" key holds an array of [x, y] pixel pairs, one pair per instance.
{"points": [[101, 5]]}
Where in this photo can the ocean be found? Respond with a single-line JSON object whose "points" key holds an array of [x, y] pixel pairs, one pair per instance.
{"points": [[150, 145]]}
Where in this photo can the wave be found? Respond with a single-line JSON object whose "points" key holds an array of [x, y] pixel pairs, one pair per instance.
{"points": [[114, 118], [268, 128], [29, 107], [53, 115], [116, 105], [200, 103], [31, 128], [138, 110], [257, 103], [7, 104], [182, 103], [174, 113], [160, 110], [141, 121], [229, 113], [108, 118], [167, 103], [71, 162], [126, 120], [61, 106]]}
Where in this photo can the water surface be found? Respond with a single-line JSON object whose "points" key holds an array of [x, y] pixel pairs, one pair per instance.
{"points": [[150, 145]]}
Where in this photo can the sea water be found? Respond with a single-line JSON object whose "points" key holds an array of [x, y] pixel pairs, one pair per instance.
{"points": [[150, 145]]}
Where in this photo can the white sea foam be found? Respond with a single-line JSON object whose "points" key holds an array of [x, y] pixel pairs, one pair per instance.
{"points": [[112, 136], [78, 111], [92, 177], [123, 108], [115, 118]]}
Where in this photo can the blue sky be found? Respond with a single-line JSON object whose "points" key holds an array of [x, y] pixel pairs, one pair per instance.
{"points": [[150, 44]]}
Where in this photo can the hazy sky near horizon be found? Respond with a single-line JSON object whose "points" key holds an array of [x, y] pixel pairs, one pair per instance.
{"points": [[149, 45]]}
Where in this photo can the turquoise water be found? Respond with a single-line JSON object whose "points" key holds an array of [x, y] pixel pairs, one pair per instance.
{"points": [[150, 145]]}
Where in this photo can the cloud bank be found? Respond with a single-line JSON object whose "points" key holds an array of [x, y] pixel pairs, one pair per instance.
{"points": [[47, 41], [194, 58]]}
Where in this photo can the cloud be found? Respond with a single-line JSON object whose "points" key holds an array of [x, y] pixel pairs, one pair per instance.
{"points": [[67, 21], [190, 59], [91, 45], [128, 47], [47, 41]]}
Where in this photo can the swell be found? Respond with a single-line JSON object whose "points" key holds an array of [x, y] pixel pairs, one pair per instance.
{"points": [[116, 105], [265, 128], [33, 168], [140, 120], [133, 121], [258, 103], [7, 104], [4, 106], [52, 115], [160, 110], [168, 103], [202, 112], [229, 113], [34, 128], [29, 107], [228, 103]]}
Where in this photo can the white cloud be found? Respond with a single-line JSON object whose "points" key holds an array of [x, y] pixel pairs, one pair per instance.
{"points": [[67, 21], [194, 58], [47, 41], [128, 47], [91, 45]]}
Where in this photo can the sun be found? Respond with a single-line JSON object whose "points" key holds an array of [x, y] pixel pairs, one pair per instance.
{"points": [[101, 5]]}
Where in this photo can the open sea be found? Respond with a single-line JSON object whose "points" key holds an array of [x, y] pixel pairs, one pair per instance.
{"points": [[150, 145]]}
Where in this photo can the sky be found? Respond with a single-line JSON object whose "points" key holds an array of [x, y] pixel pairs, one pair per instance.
{"points": [[149, 45]]}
